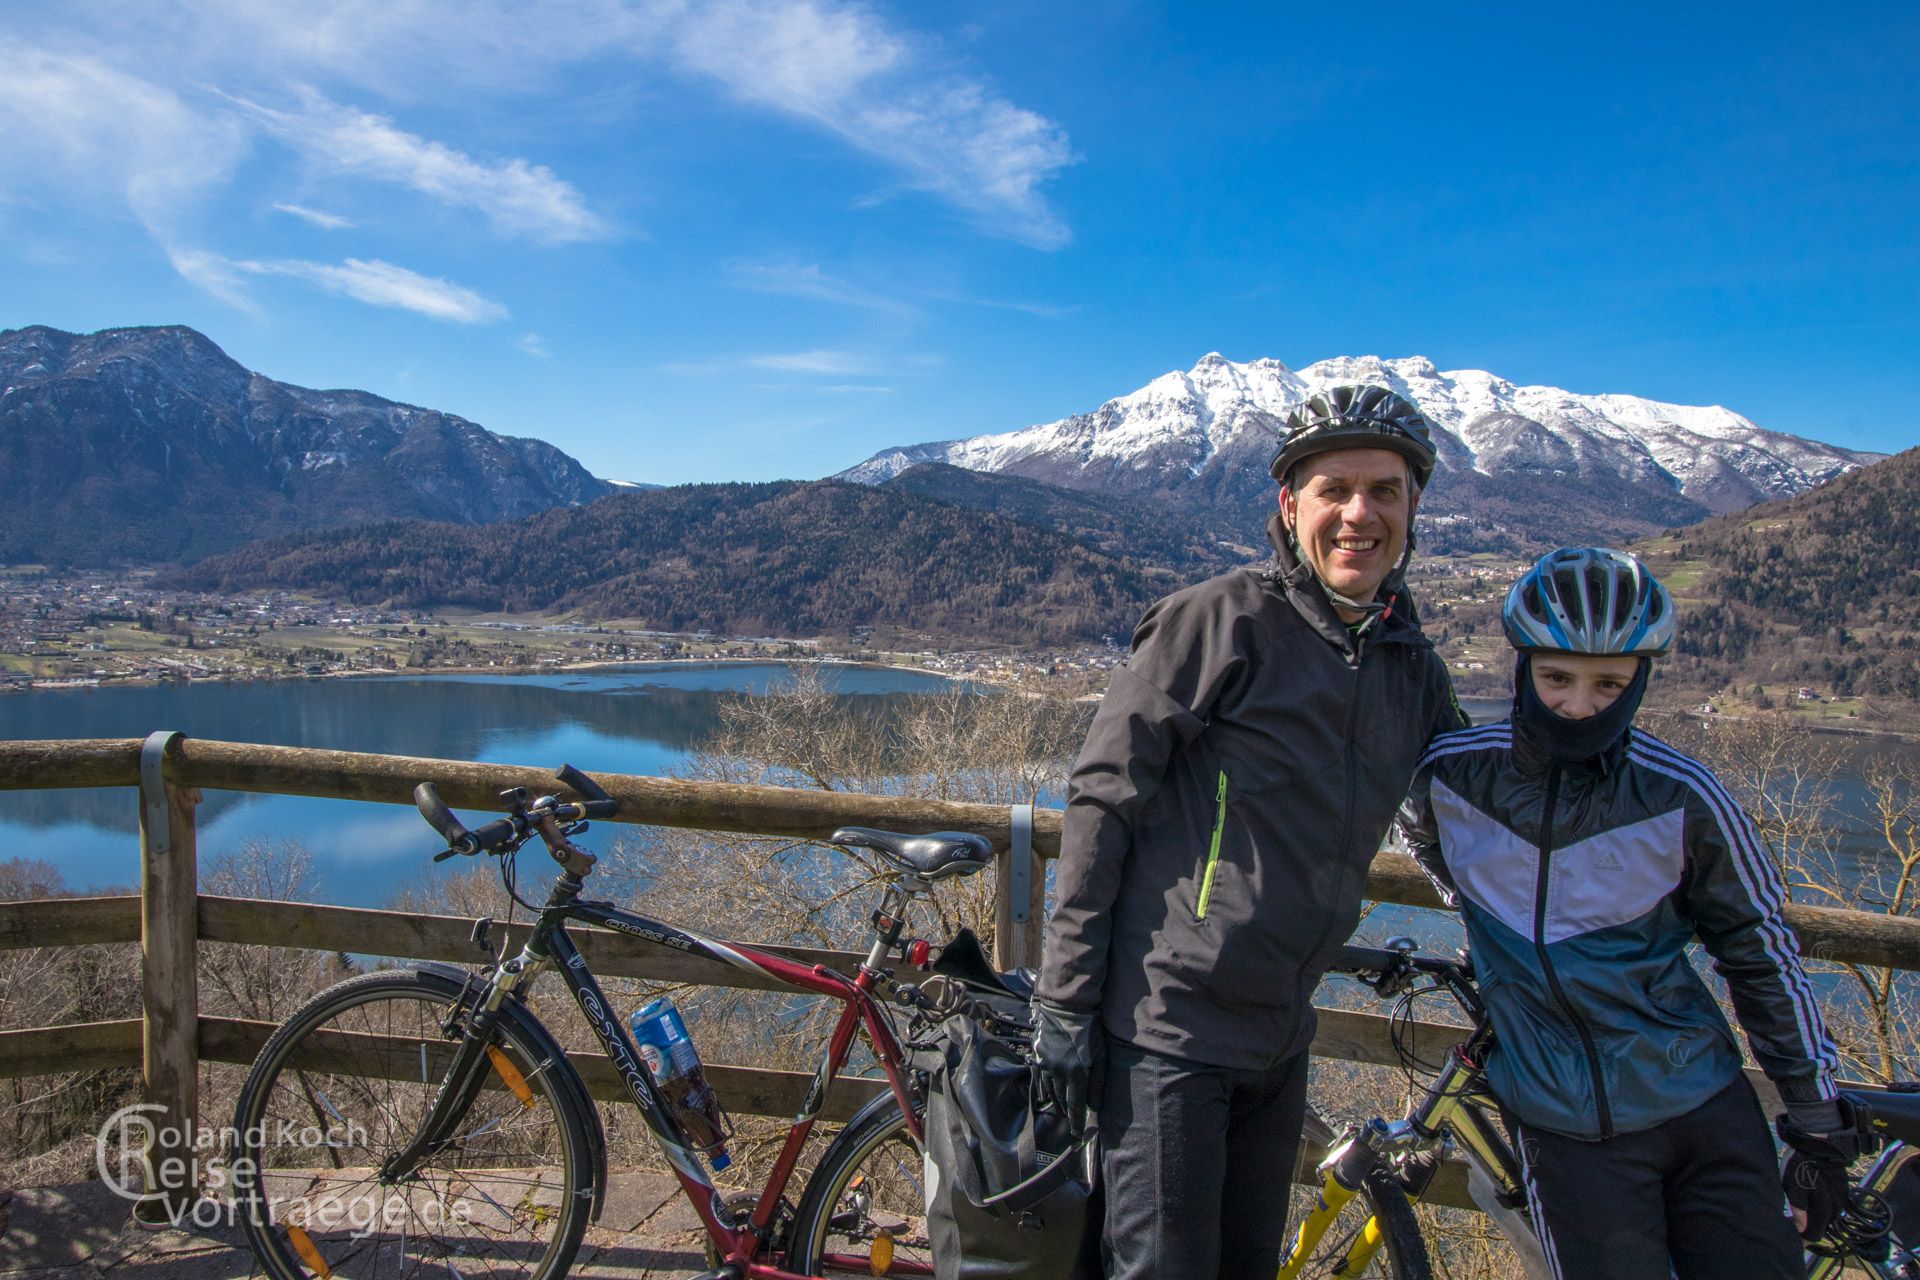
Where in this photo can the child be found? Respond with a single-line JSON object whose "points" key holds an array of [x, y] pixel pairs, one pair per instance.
{"points": [[1585, 855]]}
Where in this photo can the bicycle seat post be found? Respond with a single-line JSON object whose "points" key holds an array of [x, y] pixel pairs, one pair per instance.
{"points": [[890, 918]]}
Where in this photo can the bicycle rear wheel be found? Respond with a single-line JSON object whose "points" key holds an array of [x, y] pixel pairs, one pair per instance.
{"points": [[346, 1083], [864, 1210]]}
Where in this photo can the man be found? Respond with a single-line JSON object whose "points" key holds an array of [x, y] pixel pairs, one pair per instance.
{"points": [[1234, 786]]}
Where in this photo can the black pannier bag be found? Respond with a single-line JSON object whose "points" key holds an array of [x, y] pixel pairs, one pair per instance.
{"points": [[1011, 1194]]}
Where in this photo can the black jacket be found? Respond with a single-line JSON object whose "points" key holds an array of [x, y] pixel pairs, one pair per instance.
{"points": [[1233, 789]]}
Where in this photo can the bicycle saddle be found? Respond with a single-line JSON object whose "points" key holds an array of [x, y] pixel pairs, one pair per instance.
{"points": [[935, 856]]}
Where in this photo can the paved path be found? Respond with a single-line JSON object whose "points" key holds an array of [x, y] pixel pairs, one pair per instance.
{"points": [[82, 1232]]}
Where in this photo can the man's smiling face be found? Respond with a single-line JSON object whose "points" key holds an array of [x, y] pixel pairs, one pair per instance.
{"points": [[1350, 510]]}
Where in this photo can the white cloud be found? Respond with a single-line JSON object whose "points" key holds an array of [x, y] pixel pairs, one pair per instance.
{"points": [[1045, 310], [842, 363], [806, 280], [517, 197], [381, 284], [77, 125], [827, 388], [219, 276], [840, 67], [318, 217], [823, 362], [534, 345], [376, 283]]}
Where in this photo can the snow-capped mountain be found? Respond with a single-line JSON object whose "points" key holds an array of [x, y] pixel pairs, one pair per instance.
{"points": [[1625, 464]]}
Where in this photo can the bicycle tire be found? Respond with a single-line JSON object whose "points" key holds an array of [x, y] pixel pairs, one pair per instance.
{"points": [[345, 1082], [1403, 1250], [868, 1185]]}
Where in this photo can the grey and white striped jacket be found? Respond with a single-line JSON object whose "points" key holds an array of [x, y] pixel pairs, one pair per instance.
{"points": [[1582, 886]]}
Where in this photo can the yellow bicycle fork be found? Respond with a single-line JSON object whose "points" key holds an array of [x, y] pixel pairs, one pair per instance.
{"points": [[1359, 1256], [1453, 1103]]}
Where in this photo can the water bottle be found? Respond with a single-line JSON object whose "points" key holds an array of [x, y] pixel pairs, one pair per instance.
{"points": [[661, 1035]]}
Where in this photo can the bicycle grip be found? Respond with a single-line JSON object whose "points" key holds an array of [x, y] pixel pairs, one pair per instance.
{"points": [[441, 819], [496, 833], [598, 804]]}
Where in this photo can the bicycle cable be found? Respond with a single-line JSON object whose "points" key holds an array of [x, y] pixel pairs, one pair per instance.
{"points": [[1402, 1031], [510, 880]]}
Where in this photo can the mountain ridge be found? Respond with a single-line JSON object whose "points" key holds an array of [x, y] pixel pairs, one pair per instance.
{"points": [[151, 444], [1515, 461], [787, 557]]}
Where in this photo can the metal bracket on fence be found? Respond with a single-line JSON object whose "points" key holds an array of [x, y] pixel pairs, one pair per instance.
{"points": [[1020, 863], [153, 788]]}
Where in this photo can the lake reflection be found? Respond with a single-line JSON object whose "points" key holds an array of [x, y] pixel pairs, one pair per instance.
{"points": [[641, 720]]}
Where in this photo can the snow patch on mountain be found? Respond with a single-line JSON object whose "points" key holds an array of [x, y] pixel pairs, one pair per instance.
{"points": [[1179, 423]]}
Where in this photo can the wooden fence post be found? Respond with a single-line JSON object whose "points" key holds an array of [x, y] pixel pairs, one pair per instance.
{"points": [[1020, 896], [169, 985]]}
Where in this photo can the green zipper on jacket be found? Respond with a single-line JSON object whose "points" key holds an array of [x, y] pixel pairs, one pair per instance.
{"points": [[1213, 850]]}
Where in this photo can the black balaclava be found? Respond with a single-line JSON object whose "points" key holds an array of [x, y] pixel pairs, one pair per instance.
{"points": [[1571, 741]]}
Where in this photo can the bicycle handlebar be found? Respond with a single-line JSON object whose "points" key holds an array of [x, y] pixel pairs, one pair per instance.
{"points": [[1382, 960], [441, 819], [598, 803]]}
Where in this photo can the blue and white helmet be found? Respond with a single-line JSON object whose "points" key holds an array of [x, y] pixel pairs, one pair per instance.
{"points": [[1589, 600]]}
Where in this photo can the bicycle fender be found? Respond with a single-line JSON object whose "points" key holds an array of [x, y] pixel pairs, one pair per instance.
{"points": [[878, 1102], [564, 1072]]}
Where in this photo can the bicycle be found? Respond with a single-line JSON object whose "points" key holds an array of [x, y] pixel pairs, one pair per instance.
{"points": [[1377, 1169], [424, 1118]]}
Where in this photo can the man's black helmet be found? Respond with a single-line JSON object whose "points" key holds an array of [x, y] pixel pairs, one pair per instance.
{"points": [[1357, 417]]}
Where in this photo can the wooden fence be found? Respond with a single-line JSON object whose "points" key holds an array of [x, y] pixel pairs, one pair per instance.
{"points": [[170, 917]]}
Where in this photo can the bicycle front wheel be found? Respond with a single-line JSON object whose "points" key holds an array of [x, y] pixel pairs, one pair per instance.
{"points": [[347, 1083], [1377, 1234], [864, 1210]]}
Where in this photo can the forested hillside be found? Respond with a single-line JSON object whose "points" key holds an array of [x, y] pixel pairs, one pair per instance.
{"points": [[1822, 589], [787, 558], [1190, 544]]}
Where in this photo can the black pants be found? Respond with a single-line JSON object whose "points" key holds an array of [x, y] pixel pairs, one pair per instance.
{"points": [[1700, 1193], [1197, 1162]]}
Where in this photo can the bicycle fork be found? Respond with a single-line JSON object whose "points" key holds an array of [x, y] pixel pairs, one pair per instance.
{"points": [[474, 1055], [1345, 1171], [1370, 1151]]}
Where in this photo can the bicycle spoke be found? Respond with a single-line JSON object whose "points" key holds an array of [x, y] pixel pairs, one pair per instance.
{"points": [[501, 1190]]}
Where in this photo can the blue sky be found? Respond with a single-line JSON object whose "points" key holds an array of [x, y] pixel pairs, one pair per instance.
{"points": [[752, 239]]}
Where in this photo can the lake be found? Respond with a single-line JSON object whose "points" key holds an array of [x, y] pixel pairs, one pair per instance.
{"points": [[644, 719], [639, 719]]}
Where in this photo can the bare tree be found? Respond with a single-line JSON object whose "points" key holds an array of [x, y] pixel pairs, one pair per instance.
{"points": [[259, 982], [46, 1122], [1786, 779]]}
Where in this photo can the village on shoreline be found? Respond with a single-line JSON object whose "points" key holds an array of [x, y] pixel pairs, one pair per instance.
{"points": [[84, 630], [96, 630]]}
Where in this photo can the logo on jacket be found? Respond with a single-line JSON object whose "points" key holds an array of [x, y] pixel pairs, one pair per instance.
{"points": [[1679, 1050]]}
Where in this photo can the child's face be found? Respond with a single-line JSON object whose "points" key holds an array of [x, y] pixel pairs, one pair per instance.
{"points": [[1577, 685]]}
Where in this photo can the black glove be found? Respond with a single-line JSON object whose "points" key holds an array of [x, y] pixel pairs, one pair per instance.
{"points": [[1066, 1058], [1823, 1142]]}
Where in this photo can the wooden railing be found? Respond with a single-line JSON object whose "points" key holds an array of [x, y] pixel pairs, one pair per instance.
{"points": [[169, 917]]}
